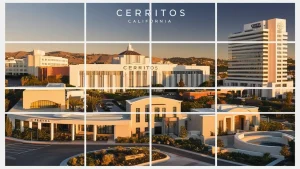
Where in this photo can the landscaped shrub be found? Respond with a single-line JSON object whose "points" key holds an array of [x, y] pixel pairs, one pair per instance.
{"points": [[107, 159], [116, 156], [62, 137], [8, 127], [285, 151], [183, 132], [247, 159], [163, 139], [144, 139], [220, 143], [16, 133], [43, 135], [27, 134], [270, 126], [76, 161]]}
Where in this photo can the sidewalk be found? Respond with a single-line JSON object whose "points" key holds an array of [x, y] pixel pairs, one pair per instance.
{"points": [[76, 142]]}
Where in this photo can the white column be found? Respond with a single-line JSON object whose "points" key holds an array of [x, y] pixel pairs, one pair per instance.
{"points": [[183, 78], [114, 83], [87, 78], [233, 124], [124, 80], [13, 122], [167, 80], [30, 124], [173, 83], [96, 81], [134, 78], [178, 79], [195, 80], [22, 125], [199, 79], [39, 125], [52, 131], [190, 80], [105, 78], [142, 80], [76, 129], [73, 132], [95, 132], [158, 77]]}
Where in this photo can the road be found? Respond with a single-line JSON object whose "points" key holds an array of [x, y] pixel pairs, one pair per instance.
{"points": [[24, 154]]}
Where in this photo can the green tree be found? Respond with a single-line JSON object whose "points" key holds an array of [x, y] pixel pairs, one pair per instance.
{"points": [[209, 83], [75, 102], [6, 104], [8, 127], [91, 103], [30, 80], [183, 132], [289, 98]]}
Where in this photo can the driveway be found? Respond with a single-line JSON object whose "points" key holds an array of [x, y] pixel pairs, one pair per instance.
{"points": [[26, 154]]}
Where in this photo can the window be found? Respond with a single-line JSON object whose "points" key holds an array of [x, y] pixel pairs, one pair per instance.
{"points": [[137, 130], [163, 110], [137, 110], [146, 117], [164, 115], [220, 126], [105, 129], [156, 109], [138, 118], [146, 128], [157, 118], [174, 109], [146, 109], [174, 115]]}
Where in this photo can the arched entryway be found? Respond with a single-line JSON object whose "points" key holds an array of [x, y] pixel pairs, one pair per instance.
{"points": [[44, 104]]}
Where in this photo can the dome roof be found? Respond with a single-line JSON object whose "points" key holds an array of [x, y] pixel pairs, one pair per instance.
{"points": [[129, 51]]}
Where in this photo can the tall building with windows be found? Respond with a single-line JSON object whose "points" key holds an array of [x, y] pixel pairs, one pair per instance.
{"points": [[131, 69], [30, 64], [259, 64]]}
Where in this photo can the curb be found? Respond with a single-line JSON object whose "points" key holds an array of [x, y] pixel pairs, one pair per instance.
{"points": [[232, 162], [45, 142]]}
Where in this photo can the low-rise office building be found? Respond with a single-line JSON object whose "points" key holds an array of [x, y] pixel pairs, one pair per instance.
{"points": [[116, 125], [159, 104], [131, 69], [30, 64], [234, 123], [46, 100]]}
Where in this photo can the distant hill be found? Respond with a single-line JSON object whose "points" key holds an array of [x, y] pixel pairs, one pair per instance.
{"points": [[100, 58], [78, 58]]}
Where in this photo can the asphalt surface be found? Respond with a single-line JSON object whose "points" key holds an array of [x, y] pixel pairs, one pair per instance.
{"points": [[23, 154], [115, 108]]}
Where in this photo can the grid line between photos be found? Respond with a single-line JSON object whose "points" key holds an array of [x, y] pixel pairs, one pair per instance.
{"points": [[177, 112]]}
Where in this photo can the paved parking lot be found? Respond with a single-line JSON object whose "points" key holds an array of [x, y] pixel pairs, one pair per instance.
{"points": [[13, 149], [26, 154], [114, 109]]}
